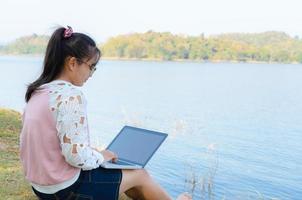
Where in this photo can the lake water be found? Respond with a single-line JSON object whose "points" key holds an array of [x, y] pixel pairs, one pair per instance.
{"points": [[234, 129]]}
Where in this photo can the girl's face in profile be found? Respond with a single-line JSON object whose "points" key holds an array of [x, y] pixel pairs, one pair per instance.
{"points": [[84, 70]]}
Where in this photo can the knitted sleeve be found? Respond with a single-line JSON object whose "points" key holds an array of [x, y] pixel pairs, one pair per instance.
{"points": [[71, 122]]}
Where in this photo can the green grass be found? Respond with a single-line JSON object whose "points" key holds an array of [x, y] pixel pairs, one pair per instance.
{"points": [[13, 184]]}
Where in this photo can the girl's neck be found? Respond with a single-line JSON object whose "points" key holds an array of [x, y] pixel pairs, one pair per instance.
{"points": [[64, 78]]}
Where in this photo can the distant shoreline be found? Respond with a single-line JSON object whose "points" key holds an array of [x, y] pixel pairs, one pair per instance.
{"points": [[195, 61], [267, 47], [161, 60]]}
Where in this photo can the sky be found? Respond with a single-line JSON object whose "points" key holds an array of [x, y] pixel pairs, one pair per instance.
{"points": [[102, 19]]}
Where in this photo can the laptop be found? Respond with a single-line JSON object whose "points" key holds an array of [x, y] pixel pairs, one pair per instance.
{"points": [[134, 147]]}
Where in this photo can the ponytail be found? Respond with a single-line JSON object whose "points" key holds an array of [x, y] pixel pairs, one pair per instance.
{"points": [[58, 49]]}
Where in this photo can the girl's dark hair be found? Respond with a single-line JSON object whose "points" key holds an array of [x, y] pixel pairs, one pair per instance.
{"points": [[78, 45]]}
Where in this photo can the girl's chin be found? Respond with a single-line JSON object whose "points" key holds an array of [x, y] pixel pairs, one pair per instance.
{"points": [[79, 84]]}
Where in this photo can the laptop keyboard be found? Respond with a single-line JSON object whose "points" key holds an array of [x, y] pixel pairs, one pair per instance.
{"points": [[119, 162]]}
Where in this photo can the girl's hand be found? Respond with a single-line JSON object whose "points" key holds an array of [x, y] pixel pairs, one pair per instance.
{"points": [[109, 155]]}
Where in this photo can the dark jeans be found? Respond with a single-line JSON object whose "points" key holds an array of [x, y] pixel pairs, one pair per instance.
{"points": [[96, 184]]}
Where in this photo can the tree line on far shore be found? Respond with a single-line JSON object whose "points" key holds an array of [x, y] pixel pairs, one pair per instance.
{"points": [[243, 47]]}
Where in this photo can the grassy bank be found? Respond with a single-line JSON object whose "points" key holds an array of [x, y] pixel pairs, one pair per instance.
{"points": [[13, 185]]}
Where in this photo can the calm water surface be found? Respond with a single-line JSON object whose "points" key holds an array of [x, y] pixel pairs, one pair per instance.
{"points": [[234, 127]]}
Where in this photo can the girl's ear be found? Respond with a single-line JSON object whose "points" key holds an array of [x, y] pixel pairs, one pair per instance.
{"points": [[71, 63]]}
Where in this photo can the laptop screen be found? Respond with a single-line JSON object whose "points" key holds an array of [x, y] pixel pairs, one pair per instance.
{"points": [[136, 145]]}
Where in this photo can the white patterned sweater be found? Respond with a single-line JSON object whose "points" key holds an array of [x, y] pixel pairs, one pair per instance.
{"points": [[68, 107]]}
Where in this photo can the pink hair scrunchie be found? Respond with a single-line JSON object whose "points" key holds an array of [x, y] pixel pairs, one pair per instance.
{"points": [[68, 32]]}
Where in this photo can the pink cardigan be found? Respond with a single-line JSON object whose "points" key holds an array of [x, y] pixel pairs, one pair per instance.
{"points": [[41, 154]]}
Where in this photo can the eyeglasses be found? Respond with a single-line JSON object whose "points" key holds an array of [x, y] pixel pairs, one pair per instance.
{"points": [[92, 67]]}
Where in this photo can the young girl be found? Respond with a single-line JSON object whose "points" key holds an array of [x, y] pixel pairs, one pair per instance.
{"points": [[56, 154]]}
